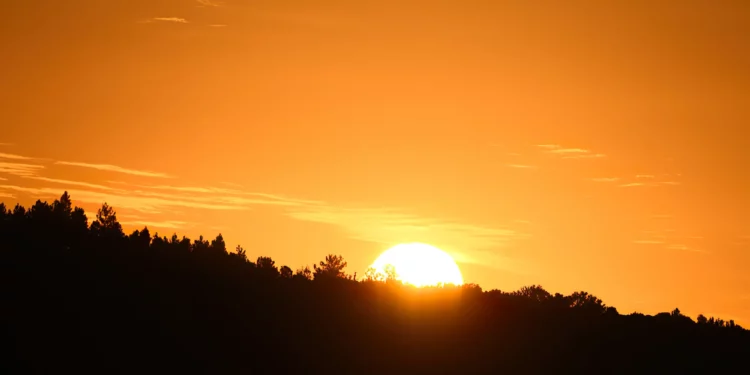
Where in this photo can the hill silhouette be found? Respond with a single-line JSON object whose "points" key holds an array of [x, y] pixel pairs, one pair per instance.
{"points": [[88, 298]]}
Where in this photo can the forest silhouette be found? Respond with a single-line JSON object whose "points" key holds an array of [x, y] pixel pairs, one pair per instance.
{"points": [[80, 297]]}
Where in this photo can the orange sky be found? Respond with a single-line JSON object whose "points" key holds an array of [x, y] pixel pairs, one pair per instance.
{"points": [[576, 145]]}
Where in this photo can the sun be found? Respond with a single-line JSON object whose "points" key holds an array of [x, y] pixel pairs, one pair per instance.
{"points": [[419, 264]]}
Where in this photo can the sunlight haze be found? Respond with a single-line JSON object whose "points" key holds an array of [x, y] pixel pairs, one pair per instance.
{"points": [[556, 143]]}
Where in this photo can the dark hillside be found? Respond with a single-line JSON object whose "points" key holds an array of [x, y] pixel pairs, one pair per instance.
{"points": [[79, 295]]}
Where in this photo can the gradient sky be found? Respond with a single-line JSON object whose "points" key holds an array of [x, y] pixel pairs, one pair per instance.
{"points": [[598, 146]]}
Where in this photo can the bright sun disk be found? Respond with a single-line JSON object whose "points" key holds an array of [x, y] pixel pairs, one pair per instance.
{"points": [[420, 265]]}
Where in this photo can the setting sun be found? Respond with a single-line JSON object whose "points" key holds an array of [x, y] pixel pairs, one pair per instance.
{"points": [[420, 265]]}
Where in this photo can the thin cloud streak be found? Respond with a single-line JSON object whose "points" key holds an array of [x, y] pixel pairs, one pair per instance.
{"points": [[651, 184], [467, 243], [7, 195], [228, 200], [114, 168], [14, 157], [605, 179], [20, 169], [171, 19], [156, 224], [149, 199], [189, 189], [684, 248], [648, 242], [585, 156], [570, 153], [128, 201], [74, 183], [268, 198], [209, 3], [521, 166]]}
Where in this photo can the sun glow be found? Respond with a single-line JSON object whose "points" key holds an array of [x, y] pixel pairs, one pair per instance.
{"points": [[419, 264]]}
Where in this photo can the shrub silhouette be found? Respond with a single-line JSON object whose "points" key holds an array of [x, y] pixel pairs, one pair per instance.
{"points": [[88, 298]]}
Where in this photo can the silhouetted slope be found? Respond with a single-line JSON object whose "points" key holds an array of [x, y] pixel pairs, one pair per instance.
{"points": [[87, 298]]}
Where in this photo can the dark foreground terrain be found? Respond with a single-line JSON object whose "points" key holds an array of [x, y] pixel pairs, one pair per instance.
{"points": [[86, 298]]}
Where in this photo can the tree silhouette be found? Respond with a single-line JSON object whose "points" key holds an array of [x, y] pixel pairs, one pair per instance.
{"points": [[63, 207], [286, 272], [587, 302], [201, 246], [218, 246], [106, 224], [331, 267], [303, 273], [240, 254], [534, 292], [702, 319], [266, 268]]}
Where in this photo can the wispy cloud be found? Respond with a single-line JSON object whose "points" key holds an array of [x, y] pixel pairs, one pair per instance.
{"points": [[130, 216], [549, 147], [128, 200], [14, 157], [605, 179], [7, 195], [209, 3], [521, 166], [585, 156], [186, 189], [669, 239], [238, 201], [570, 152], [161, 198], [114, 168], [651, 184], [171, 19], [169, 224], [20, 169], [466, 243], [217, 25], [72, 183], [220, 195], [682, 247]]}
